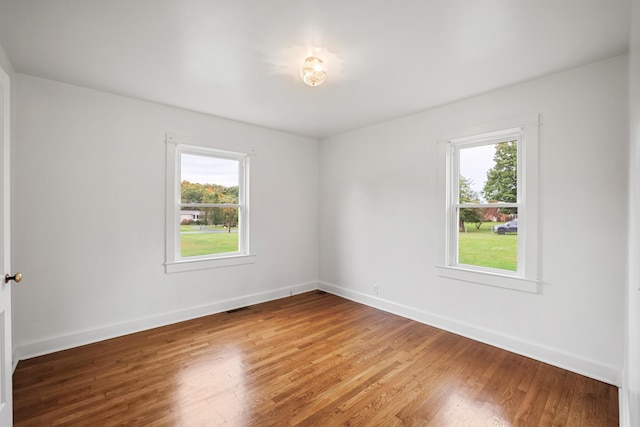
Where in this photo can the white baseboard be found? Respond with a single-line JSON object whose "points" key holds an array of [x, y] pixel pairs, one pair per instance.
{"points": [[64, 342], [555, 357], [624, 408]]}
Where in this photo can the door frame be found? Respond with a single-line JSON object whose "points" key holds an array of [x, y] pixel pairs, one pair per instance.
{"points": [[6, 346]]}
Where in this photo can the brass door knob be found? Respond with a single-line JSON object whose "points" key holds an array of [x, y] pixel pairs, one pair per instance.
{"points": [[17, 277]]}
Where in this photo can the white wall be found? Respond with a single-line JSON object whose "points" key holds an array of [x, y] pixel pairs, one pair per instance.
{"points": [[631, 391], [380, 211], [4, 63], [89, 217]]}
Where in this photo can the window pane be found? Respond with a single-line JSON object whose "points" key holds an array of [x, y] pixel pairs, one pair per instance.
{"points": [[207, 179], [488, 173], [208, 231], [488, 237]]}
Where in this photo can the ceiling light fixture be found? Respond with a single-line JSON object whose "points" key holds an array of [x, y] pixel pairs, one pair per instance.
{"points": [[313, 72]]}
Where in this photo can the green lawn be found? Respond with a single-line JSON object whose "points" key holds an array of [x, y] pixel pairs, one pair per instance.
{"points": [[487, 249], [205, 243], [476, 247]]}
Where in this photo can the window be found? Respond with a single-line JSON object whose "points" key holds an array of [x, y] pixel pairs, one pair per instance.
{"points": [[491, 208], [207, 207]]}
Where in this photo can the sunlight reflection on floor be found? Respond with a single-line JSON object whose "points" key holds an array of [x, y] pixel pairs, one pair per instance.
{"points": [[216, 382], [462, 409]]}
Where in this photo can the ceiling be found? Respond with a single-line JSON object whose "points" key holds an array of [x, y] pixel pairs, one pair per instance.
{"points": [[239, 59]]}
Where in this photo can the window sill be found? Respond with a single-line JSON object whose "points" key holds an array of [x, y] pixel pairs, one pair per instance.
{"points": [[489, 278], [202, 264]]}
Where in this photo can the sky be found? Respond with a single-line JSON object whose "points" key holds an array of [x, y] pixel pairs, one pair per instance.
{"points": [[209, 170], [475, 162]]}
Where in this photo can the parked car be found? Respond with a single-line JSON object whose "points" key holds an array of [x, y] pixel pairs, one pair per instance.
{"points": [[507, 227]]}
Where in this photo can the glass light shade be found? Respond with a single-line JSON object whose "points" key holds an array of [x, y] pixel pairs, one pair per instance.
{"points": [[313, 72]]}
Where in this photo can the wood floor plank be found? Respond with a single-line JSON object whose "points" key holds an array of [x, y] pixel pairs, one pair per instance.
{"points": [[311, 360]]}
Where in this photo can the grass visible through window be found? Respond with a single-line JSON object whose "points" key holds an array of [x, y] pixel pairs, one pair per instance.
{"points": [[484, 248], [198, 240]]}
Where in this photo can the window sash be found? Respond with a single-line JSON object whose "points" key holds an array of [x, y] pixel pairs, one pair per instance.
{"points": [[210, 205], [207, 152], [239, 227], [454, 205]]}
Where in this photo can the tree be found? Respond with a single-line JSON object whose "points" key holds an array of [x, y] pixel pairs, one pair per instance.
{"points": [[229, 215], [502, 179], [468, 195], [191, 193]]}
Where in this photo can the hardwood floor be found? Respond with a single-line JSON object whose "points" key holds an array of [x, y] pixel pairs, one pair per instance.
{"points": [[313, 359]]}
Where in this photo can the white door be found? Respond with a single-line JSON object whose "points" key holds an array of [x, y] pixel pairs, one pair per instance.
{"points": [[6, 369]]}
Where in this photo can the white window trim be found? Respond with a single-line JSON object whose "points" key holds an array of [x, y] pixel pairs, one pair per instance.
{"points": [[527, 277], [176, 145]]}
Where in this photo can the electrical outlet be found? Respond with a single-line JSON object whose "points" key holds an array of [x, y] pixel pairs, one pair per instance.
{"points": [[375, 289]]}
